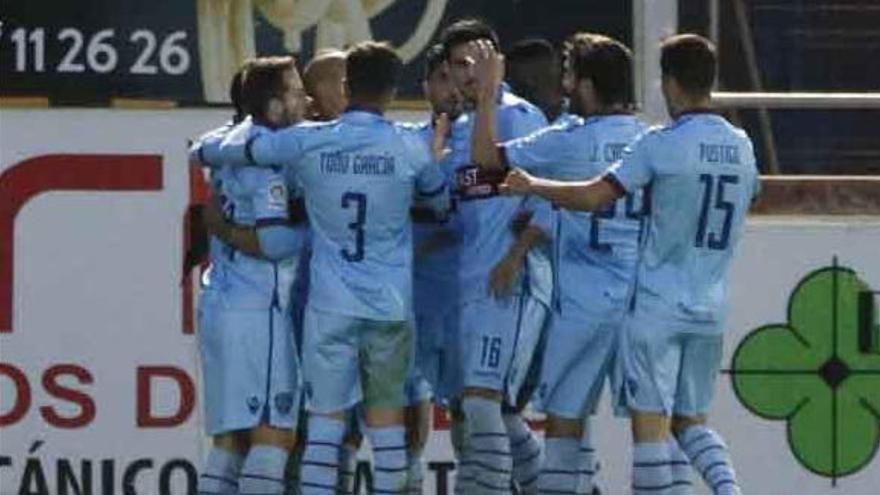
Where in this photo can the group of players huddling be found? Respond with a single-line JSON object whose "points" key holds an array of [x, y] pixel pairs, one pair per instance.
{"points": [[501, 253]]}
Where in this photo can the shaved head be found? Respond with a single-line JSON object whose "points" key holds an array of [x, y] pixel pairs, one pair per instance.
{"points": [[323, 81]]}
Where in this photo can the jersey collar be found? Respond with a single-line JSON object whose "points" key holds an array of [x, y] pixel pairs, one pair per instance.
{"points": [[357, 113]]}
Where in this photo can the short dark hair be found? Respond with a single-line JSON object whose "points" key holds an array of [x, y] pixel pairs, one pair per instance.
{"points": [[236, 88], [263, 80], [465, 31], [532, 49], [690, 59], [372, 69], [434, 58], [607, 62]]}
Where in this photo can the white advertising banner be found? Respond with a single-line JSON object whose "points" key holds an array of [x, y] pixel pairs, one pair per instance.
{"points": [[99, 376]]}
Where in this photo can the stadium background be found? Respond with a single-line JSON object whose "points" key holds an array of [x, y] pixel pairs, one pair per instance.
{"points": [[98, 371]]}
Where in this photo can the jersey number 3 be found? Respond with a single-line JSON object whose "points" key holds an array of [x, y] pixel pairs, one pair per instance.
{"points": [[359, 201], [715, 240]]}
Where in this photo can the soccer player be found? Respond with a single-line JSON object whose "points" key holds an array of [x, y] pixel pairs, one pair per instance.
{"points": [[534, 72], [595, 253], [249, 357], [500, 318], [435, 283], [702, 176], [359, 174], [323, 79]]}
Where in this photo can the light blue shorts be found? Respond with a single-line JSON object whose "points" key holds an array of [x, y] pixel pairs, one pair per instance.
{"points": [[497, 342], [667, 367], [578, 359], [350, 360], [437, 351], [247, 354]]}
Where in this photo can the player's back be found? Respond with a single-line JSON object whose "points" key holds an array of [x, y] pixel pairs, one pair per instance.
{"points": [[704, 180], [600, 247], [359, 175]]}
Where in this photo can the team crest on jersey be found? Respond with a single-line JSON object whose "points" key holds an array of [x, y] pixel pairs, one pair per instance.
{"points": [[253, 404], [284, 402], [277, 195]]}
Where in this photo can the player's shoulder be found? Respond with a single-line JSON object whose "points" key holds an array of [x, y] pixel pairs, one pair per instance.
{"points": [[650, 134], [412, 137], [514, 105], [217, 132]]}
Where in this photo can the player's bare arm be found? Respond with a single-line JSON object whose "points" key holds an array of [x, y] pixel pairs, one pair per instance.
{"points": [[241, 238], [505, 273], [438, 138], [588, 195], [489, 71]]}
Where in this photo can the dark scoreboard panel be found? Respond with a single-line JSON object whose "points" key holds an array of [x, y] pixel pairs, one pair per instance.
{"points": [[90, 51]]}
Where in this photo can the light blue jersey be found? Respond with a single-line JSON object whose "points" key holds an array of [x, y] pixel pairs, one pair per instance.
{"points": [[249, 196], [250, 366], [359, 175], [482, 217], [437, 246], [701, 174], [595, 253], [252, 196]]}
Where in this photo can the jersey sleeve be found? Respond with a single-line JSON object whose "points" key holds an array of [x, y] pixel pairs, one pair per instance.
{"points": [[253, 145], [270, 199], [206, 149], [538, 151], [634, 171]]}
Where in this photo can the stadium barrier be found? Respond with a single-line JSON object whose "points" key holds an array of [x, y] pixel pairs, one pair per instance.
{"points": [[98, 370]]}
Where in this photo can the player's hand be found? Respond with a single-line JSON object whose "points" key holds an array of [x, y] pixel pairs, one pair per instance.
{"points": [[517, 182], [438, 140], [488, 69], [215, 220], [504, 276]]}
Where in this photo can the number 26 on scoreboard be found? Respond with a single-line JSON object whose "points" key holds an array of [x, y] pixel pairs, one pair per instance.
{"points": [[100, 52]]}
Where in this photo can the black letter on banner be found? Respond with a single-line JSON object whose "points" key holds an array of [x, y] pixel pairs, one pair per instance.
{"points": [[33, 473], [131, 472], [442, 470], [107, 478], [64, 477], [363, 476], [168, 469]]}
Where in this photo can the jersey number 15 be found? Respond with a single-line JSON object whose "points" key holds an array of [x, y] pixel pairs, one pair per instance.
{"points": [[711, 183]]}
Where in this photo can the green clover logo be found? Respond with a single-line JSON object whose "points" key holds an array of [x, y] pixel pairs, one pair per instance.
{"points": [[820, 372]]}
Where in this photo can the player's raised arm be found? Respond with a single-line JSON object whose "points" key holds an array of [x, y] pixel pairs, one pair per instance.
{"points": [[431, 188], [489, 71]]}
